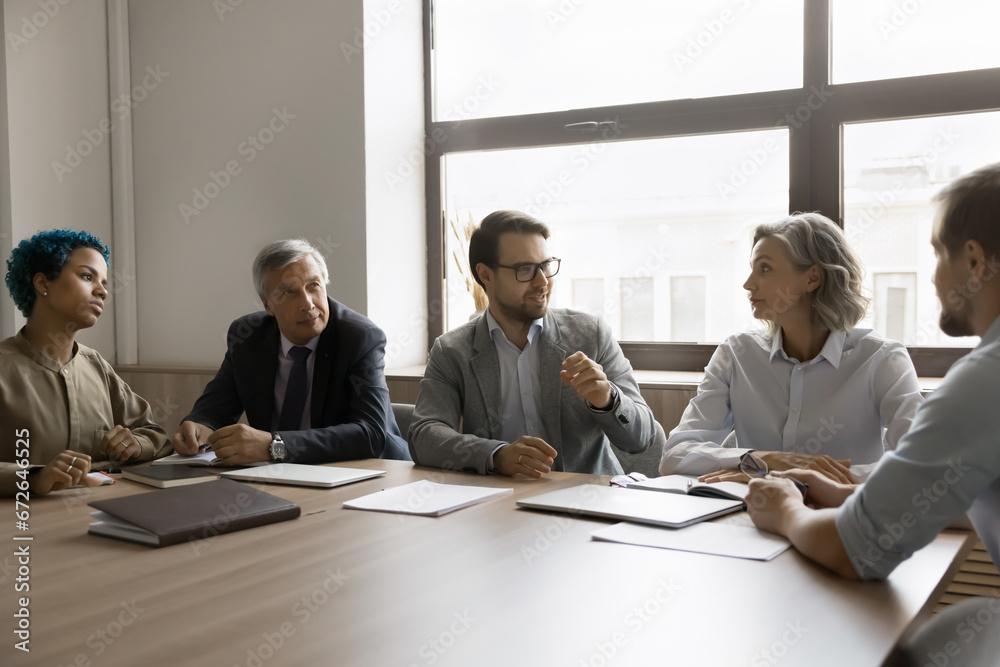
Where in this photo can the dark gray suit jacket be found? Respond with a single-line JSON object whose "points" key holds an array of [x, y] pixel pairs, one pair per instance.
{"points": [[457, 420], [351, 416]]}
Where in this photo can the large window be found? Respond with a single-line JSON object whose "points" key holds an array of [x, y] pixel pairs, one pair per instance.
{"points": [[892, 170], [622, 211], [653, 136]]}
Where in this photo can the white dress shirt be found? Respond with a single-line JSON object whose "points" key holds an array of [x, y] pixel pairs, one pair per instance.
{"points": [[285, 363], [520, 383], [946, 466], [836, 404]]}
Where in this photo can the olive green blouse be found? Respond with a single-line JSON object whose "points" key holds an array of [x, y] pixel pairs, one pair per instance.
{"points": [[61, 407]]}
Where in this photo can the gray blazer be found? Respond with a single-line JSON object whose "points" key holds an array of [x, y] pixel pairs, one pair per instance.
{"points": [[457, 420]]}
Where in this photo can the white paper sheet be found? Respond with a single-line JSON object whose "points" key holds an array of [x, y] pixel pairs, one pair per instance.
{"points": [[719, 539], [425, 498]]}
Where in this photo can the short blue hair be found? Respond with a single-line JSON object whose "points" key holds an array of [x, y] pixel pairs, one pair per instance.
{"points": [[45, 252]]}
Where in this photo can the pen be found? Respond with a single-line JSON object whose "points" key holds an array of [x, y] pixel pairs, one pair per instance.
{"points": [[204, 448]]}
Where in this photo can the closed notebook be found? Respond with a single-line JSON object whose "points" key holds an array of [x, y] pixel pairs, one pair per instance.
{"points": [[668, 510], [298, 474], [692, 487], [164, 477], [199, 459], [172, 516]]}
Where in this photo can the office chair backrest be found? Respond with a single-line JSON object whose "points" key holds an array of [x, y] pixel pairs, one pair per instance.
{"points": [[966, 634]]}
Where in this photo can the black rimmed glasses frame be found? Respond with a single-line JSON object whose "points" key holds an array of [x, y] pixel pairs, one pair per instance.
{"points": [[525, 273]]}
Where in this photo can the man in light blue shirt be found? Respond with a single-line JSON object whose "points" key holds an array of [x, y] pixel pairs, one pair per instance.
{"points": [[525, 389], [949, 463]]}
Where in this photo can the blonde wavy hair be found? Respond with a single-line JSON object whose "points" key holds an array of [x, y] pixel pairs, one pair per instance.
{"points": [[812, 239]]}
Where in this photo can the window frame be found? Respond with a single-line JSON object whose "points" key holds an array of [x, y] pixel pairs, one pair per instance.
{"points": [[815, 151]]}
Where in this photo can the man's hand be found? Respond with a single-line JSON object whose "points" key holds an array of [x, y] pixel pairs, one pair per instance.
{"points": [[772, 502], [526, 455], [239, 444], [588, 380], [119, 444], [67, 469], [189, 437], [823, 491], [838, 471]]}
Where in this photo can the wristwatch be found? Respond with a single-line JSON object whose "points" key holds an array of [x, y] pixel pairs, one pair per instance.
{"points": [[277, 448]]}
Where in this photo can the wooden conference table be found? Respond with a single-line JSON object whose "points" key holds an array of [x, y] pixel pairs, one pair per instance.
{"points": [[487, 585]]}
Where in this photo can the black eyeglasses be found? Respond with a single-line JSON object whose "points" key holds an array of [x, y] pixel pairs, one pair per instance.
{"points": [[525, 273], [754, 467]]}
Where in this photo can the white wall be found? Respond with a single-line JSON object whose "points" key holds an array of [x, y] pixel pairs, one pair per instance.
{"points": [[394, 129], [226, 76], [57, 98], [202, 84]]}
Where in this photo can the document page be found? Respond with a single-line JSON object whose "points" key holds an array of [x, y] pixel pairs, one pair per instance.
{"points": [[425, 498], [719, 539]]}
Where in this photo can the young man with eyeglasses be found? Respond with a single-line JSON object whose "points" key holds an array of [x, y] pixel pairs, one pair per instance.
{"points": [[525, 389]]}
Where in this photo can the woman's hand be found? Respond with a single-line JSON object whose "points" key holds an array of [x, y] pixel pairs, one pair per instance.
{"points": [[838, 471], [67, 469], [119, 444]]}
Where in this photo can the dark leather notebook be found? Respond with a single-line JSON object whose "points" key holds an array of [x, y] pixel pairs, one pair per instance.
{"points": [[165, 477], [185, 513]]}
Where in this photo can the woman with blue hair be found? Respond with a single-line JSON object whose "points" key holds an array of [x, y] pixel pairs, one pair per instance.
{"points": [[62, 407]]}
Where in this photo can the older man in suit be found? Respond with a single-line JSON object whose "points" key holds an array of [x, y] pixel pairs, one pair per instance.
{"points": [[308, 373], [524, 389]]}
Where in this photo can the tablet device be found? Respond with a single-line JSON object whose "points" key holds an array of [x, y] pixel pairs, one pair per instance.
{"points": [[298, 474], [669, 510]]}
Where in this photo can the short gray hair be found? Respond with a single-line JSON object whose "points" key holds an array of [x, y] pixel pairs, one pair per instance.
{"points": [[812, 239], [276, 256]]}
